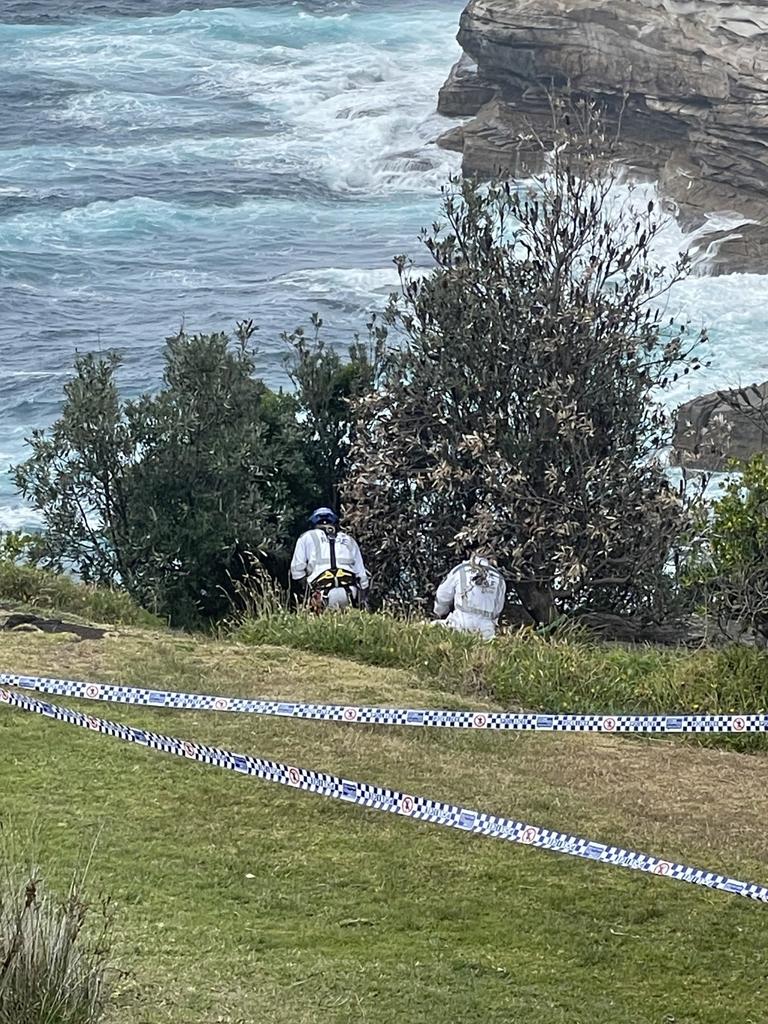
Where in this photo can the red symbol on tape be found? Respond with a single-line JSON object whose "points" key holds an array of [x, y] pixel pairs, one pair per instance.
{"points": [[479, 721], [406, 805], [4, 695], [92, 691], [350, 714], [294, 776], [530, 834], [220, 704], [662, 868], [93, 723], [609, 724], [739, 724], [190, 749]]}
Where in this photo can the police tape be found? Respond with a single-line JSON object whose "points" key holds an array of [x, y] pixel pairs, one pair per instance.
{"points": [[382, 799], [523, 721]]}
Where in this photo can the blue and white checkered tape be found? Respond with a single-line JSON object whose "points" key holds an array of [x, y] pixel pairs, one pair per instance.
{"points": [[524, 721], [383, 799]]}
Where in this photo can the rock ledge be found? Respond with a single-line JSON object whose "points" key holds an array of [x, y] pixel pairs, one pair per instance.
{"points": [[691, 76]]}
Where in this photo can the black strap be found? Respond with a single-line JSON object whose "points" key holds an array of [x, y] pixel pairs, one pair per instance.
{"points": [[341, 577]]}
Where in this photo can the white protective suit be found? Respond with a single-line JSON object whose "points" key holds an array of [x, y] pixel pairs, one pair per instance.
{"points": [[312, 557], [476, 591]]}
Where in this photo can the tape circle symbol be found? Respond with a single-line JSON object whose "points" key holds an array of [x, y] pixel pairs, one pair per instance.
{"points": [[406, 805], [350, 714], [530, 835], [294, 776], [189, 749], [93, 723], [662, 868], [480, 721], [5, 696], [609, 724], [92, 690], [220, 704], [739, 725]]}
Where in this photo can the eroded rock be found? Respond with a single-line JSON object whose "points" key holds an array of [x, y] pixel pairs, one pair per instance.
{"points": [[715, 429], [691, 77]]}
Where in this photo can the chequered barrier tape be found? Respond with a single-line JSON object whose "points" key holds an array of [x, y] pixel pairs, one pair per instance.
{"points": [[381, 799], [525, 721]]}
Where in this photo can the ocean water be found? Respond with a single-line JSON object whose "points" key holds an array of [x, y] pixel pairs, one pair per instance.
{"points": [[207, 163]]}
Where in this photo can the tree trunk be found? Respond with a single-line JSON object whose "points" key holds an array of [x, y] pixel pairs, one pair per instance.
{"points": [[538, 601]]}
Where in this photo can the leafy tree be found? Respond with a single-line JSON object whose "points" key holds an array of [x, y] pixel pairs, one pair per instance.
{"points": [[326, 388], [176, 493], [729, 562], [521, 412]]}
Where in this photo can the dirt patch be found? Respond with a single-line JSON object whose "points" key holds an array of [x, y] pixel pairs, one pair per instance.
{"points": [[23, 622]]}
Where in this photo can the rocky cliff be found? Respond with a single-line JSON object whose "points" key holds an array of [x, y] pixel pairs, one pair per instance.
{"points": [[691, 76]]}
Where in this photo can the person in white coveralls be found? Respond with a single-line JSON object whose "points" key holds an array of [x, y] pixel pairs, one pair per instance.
{"points": [[471, 597], [328, 563]]}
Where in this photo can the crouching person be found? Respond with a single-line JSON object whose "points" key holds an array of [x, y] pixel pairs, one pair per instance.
{"points": [[328, 567], [471, 597]]}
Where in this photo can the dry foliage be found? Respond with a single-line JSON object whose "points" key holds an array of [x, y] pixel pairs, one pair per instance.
{"points": [[521, 412]]}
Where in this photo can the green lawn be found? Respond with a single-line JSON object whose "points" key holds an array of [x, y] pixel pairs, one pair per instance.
{"points": [[243, 901]]}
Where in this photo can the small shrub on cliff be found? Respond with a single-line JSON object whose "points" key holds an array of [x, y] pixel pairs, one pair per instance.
{"points": [[521, 412], [730, 564], [326, 386], [170, 495]]}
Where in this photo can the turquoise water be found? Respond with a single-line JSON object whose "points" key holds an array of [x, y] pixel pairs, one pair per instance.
{"points": [[260, 160]]}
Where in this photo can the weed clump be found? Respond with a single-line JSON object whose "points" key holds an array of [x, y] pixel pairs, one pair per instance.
{"points": [[55, 965]]}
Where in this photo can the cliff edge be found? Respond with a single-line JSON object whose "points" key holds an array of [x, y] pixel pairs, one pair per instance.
{"points": [[690, 77]]}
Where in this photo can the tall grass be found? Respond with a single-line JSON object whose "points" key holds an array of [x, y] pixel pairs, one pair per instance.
{"points": [[54, 951], [569, 673], [255, 594]]}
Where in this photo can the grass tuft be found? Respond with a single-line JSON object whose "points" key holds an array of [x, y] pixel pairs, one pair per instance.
{"points": [[54, 962], [26, 586]]}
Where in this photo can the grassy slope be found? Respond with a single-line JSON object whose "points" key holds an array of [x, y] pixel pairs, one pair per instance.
{"points": [[352, 915]]}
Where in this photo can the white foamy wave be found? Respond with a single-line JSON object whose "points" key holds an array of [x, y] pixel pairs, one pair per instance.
{"points": [[731, 307], [362, 288], [325, 17], [103, 107], [359, 115], [19, 517], [100, 220]]}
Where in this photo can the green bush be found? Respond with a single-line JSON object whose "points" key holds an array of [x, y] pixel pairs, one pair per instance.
{"points": [[729, 566], [326, 386], [179, 495], [523, 670], [54, 953], [171, 494]]}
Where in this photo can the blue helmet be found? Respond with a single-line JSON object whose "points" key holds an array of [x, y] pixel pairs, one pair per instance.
{"points": [[324, 516]]}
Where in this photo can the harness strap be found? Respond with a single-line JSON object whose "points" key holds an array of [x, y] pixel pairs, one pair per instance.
{"points": [[334, 578]]}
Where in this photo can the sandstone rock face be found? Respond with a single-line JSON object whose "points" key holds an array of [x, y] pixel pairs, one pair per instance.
{"points": [[714, 429], [691, 75]]}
